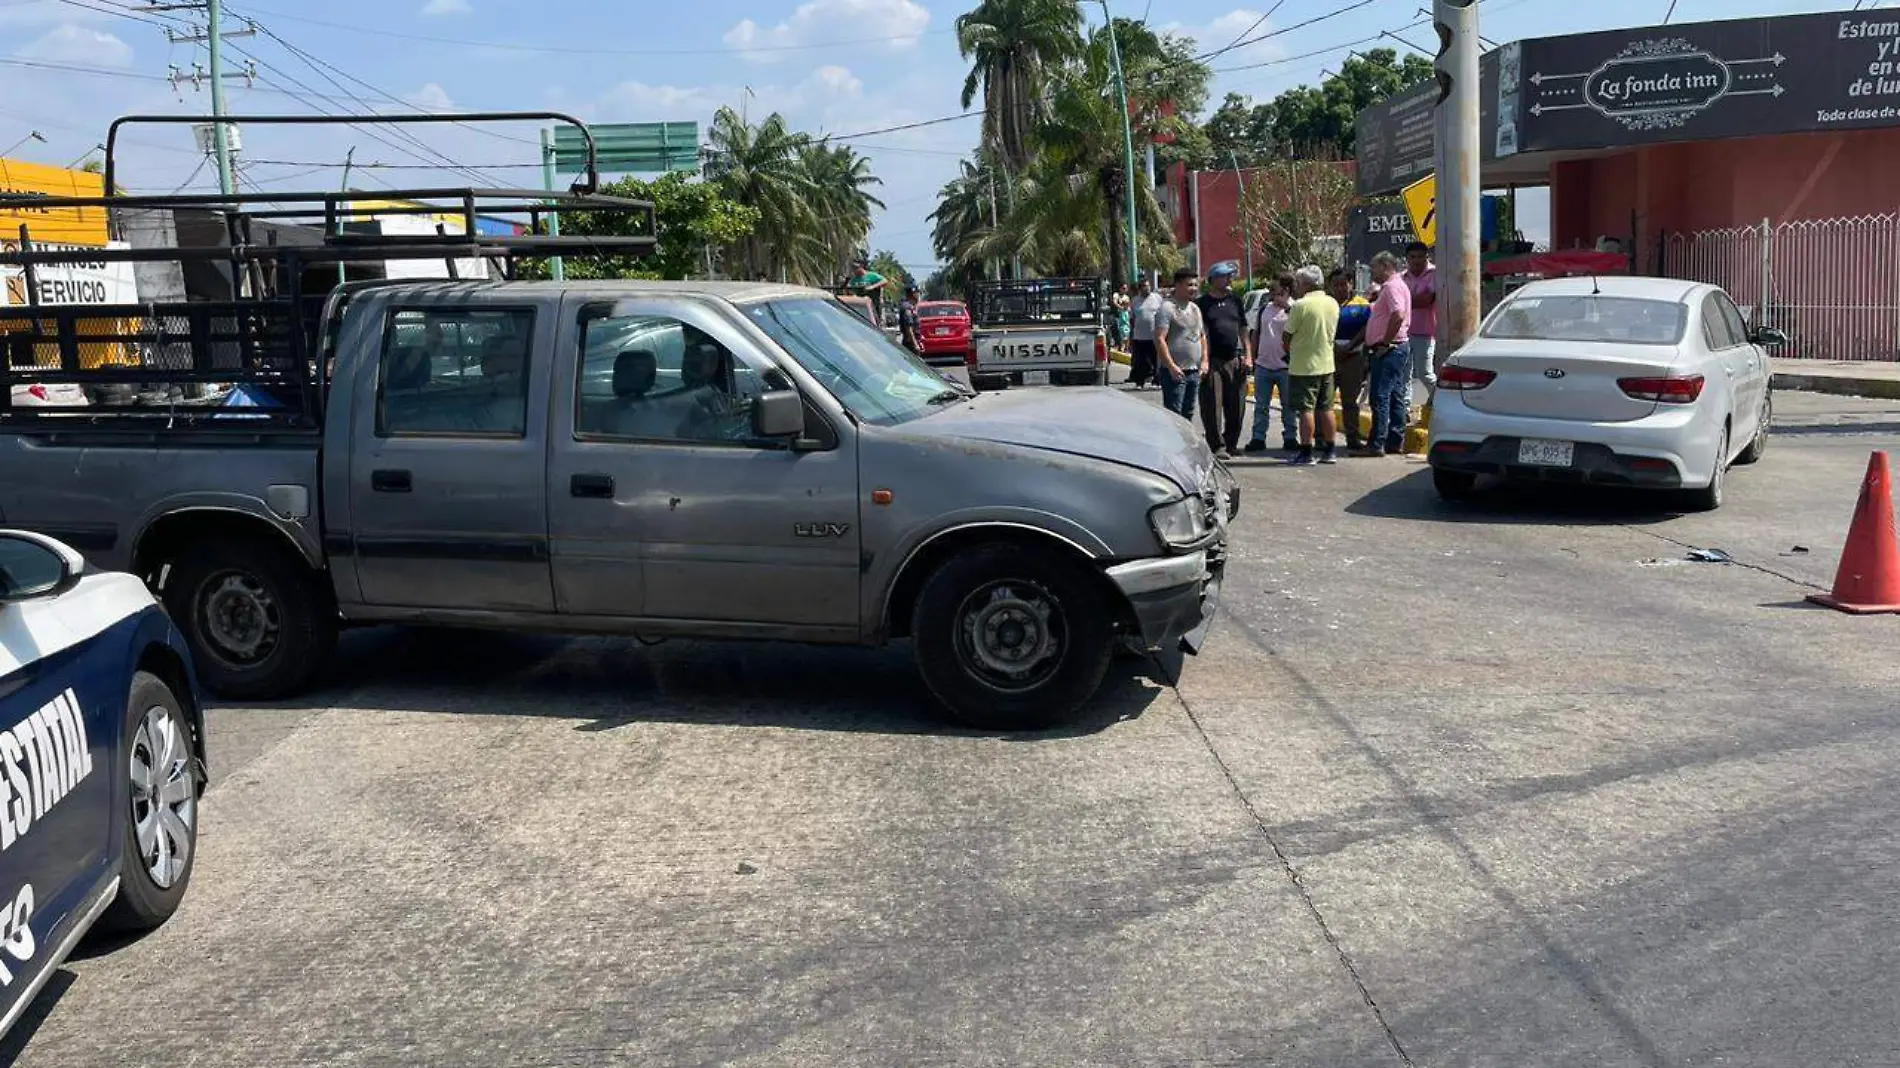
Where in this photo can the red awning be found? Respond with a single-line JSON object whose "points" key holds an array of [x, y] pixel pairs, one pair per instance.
{"points": [[1559, 263]]}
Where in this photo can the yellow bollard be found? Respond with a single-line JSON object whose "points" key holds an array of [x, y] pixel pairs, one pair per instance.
{"points": [[1418, 436]]}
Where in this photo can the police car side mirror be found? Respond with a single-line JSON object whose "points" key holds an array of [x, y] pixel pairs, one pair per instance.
{"points": [[33, 566]]}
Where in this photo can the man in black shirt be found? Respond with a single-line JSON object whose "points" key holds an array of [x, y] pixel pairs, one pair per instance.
{"points": [[1230, 360], [907, 322]]}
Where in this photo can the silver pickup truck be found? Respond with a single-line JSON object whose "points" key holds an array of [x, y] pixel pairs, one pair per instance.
{"points": [[1037, 332], [702, 460]]}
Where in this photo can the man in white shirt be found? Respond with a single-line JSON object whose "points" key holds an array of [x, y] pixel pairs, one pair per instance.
{"points": [[1142, 368], [1270, 368]]}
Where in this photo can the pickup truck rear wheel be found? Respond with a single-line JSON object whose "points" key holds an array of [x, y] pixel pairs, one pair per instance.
{"points": [[1011, 638], [259, 623]]}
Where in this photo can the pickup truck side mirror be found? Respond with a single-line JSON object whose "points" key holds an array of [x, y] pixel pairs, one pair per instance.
{"points": [[1768, 337], [778, 414], [32, 566]]}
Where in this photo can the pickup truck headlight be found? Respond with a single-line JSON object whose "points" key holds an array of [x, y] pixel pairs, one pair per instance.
{"points": [[1179, 523]]}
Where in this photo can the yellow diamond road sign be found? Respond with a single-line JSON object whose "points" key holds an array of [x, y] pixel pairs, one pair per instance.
{"points": [[1421, 201]]}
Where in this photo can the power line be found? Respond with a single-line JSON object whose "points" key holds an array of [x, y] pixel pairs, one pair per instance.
{"points": [[1256, 23], [895, 129], [1333, 14], [423, 151], [319, 62], [568, 50]]}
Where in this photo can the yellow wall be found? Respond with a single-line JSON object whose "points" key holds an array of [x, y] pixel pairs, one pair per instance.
{"points": [[65, 226]]}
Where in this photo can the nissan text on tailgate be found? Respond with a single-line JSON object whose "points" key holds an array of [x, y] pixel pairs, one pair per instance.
{"points": [[1037, 332]]}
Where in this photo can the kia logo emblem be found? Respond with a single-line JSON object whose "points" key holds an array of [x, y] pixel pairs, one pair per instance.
{"points": [[1553, 372]]}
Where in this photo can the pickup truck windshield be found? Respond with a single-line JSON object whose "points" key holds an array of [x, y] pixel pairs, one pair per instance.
{"points": [[876, 380]]}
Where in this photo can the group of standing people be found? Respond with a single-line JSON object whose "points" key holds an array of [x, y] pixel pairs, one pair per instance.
{"points": [[1313, 339]]}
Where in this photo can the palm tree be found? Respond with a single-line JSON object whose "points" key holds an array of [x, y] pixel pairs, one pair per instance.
{"points": [[1013, 47], [966, 211], [841, 182], [1075, 196], [763, 166]]}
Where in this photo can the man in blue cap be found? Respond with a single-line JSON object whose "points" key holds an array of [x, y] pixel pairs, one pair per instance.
{"points": [[1229, 361]]}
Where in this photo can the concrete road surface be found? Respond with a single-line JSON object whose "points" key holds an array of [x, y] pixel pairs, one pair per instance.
{"points": [[1506, 784]]}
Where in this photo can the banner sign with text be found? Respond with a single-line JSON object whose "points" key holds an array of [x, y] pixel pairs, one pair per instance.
{"points": [[1395, 138], [1705, 80], [1690, 82]]}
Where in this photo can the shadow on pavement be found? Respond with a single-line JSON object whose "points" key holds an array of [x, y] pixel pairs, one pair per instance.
{"points": [[1525, 504], [611, 682], [15, 1041]]}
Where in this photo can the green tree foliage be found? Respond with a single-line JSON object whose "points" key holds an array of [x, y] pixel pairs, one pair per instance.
{"points": [[1014, 48], [813, 199], [1063, 211], [693, 219], [1312, 122], [885, 262]]}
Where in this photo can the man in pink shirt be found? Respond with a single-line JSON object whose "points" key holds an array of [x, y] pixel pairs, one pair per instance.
{"points": [[1388, 359], [1421, 278]]}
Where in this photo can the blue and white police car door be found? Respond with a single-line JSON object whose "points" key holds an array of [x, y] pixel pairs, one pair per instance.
{"points": [[66, 642]]}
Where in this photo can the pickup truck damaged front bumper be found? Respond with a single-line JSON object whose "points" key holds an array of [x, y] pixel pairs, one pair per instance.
{"points": [[1174, 597]]}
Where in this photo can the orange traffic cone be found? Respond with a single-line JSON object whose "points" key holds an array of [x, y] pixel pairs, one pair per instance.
{"points": [[1869, 577]]}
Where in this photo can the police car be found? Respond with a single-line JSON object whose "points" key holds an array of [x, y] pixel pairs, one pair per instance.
{"points": [[101, 760]]}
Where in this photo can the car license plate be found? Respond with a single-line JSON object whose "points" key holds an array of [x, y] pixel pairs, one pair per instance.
{"points": [[1545, 453], [939, 331], [1035, 378]]}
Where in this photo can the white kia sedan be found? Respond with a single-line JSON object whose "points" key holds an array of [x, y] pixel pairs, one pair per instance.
{"points": [[1643, 382]]}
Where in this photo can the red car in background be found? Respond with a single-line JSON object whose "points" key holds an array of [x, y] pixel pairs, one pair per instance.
{"points": [[943, 328]]}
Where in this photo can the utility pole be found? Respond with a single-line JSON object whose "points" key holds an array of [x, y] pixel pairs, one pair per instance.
{"points": [[213, 39], [1240, 209], [1128, 146], [996, 267], [556, 268], [349, 157], [1460, 185]]}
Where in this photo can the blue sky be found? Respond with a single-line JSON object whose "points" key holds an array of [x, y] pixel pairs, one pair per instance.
{"points": [[834, 66]]}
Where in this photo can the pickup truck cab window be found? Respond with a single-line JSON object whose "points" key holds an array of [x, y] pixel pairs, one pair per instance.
{"points": [[876, 380], [456, 372], [655, 378]]}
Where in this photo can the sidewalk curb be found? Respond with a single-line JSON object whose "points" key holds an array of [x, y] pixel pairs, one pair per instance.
{"points": [[1839, 385]]}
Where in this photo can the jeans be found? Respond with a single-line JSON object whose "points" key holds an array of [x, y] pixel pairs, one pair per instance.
{"points": [[1264, 383], [1179, 394], [1391, 379], [1422, 368]]}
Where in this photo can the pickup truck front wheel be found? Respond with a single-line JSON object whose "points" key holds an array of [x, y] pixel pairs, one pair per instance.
{"points": [[258, 622], [1010, 638]]}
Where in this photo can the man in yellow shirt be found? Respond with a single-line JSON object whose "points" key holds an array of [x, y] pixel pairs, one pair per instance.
{"points": [[1312, 327]]}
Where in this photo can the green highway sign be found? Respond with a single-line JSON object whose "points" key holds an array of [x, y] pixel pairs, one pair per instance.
{"points": [[632, 147]]}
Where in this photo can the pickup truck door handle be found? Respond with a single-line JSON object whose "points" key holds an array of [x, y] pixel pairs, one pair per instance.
{"points": [[591, 485], [386, 480]]}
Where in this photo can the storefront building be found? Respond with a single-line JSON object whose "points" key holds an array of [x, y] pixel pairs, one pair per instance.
{"points": [[1760, 154]]}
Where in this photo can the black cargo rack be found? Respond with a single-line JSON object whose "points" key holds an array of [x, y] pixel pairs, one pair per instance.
{"points": [[1030, 301], [251, 364]]}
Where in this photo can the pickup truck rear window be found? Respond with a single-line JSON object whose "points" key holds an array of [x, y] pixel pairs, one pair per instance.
{"points": [[456, 372]]}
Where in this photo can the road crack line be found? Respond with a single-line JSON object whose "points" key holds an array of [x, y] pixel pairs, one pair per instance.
{"points": [[1732, 560], [1286, 867]]}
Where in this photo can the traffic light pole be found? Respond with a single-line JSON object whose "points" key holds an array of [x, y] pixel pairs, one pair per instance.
{"points": [[1460, 185]]}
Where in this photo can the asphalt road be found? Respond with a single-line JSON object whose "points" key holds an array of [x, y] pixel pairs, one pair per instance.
{"points": [[1505, 784]]}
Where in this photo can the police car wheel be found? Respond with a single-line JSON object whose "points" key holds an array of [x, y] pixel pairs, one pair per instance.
{"points": [[1012, 638], [259, 622], [160, 842]]}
